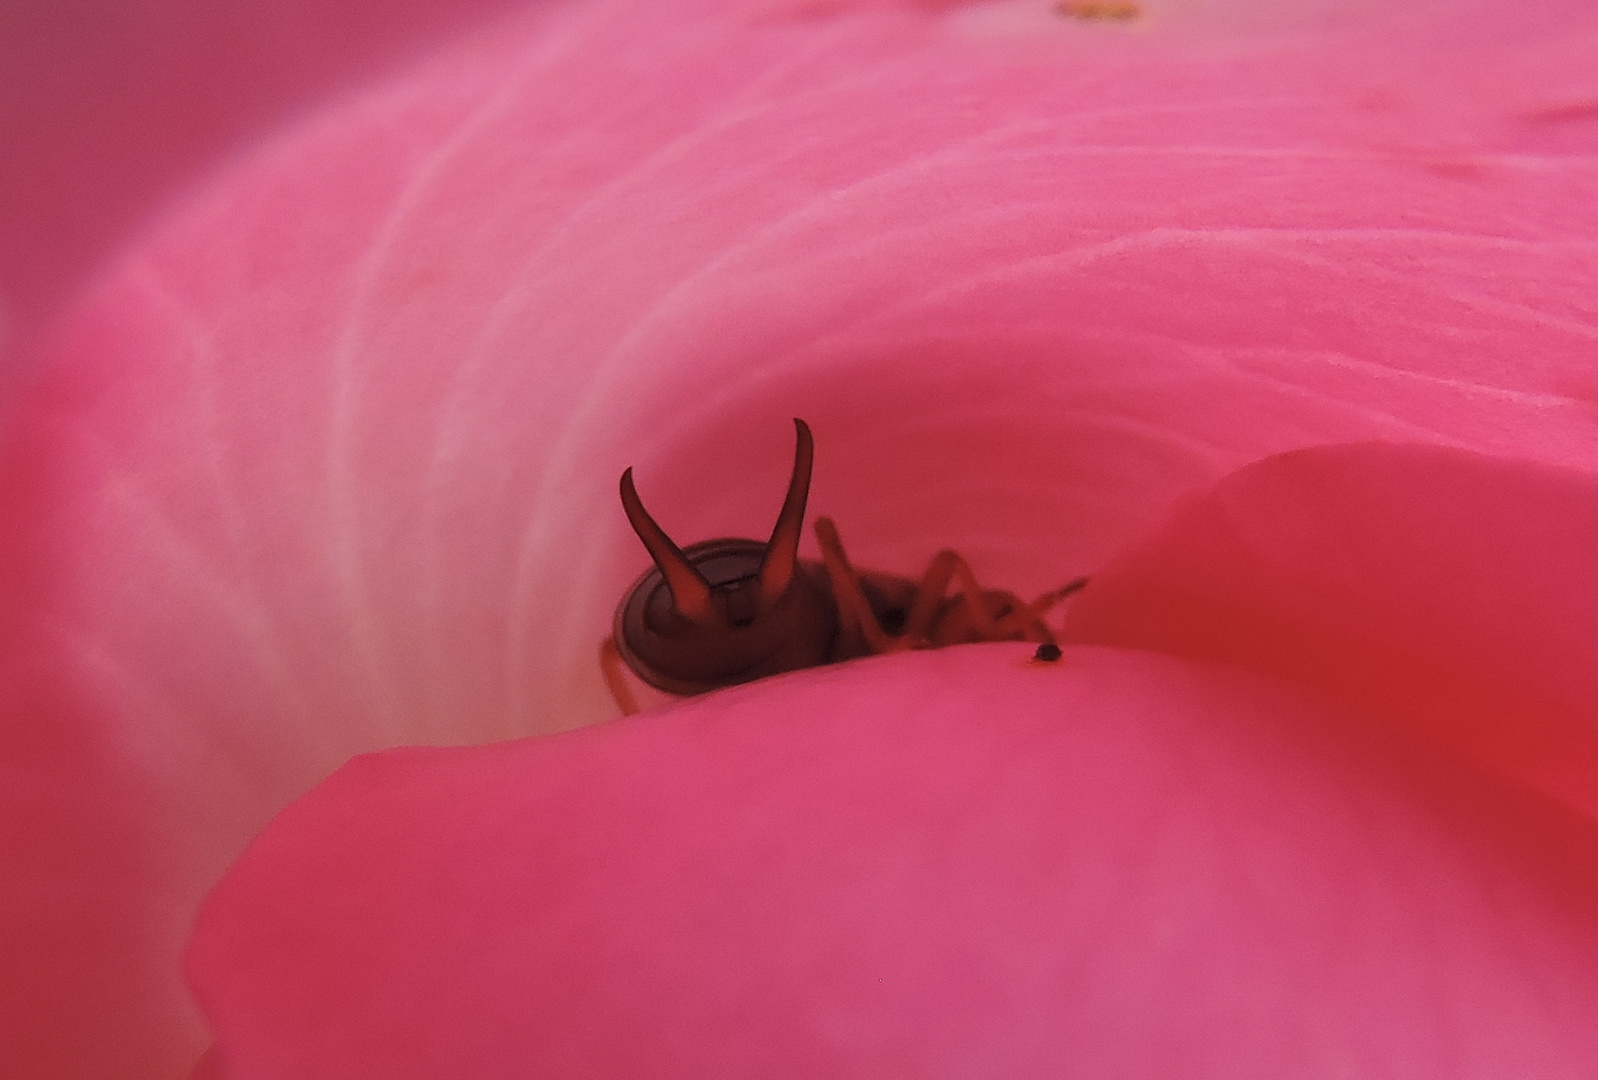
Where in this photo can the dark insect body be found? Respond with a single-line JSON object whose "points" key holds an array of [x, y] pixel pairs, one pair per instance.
{"points": [[724, 612]]}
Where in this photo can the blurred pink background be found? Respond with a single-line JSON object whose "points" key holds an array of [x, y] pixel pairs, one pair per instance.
{"points": [[106, 108]]}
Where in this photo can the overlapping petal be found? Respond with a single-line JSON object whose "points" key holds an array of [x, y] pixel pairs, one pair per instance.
{"points": [[1450, 593], [949, 864], [326, 463]]}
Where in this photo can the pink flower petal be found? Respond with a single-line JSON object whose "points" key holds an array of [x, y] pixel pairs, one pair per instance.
{"points": [[947, 864], [105, 108], [326, 462], [1452, 594]]}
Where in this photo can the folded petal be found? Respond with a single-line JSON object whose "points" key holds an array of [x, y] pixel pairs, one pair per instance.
{"points": [[1451, 593], [326, 461], [951, 864]]}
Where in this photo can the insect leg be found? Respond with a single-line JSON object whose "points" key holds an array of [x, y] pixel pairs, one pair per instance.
{"points": [[1023, 619], [1067, 589], [947, 565], [1029, 619], [613, 669], [853, 608], [929, 596]]}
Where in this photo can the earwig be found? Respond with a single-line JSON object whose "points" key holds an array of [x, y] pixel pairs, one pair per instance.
{"points": [[723, 612]]}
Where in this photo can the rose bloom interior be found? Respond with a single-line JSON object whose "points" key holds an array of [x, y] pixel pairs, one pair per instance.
{"points": [[1276, 320]]}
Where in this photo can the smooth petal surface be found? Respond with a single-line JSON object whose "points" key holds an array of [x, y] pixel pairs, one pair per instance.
{"points": [[325, 463], [107, 107], [1450, 593], [949, 864]]}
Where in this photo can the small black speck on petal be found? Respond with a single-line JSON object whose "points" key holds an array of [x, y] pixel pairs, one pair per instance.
{"points": [[1048, 652]]}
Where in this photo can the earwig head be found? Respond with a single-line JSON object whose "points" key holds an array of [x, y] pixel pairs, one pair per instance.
{"points": [[722, 612]]}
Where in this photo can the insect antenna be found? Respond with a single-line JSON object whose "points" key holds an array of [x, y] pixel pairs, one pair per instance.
{"points": [[690, 592], [782, 550]]}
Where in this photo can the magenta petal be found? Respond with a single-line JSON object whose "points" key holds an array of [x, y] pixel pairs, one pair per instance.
{"points": [[105, 108], [1453, 593], [326, 462], [955, 864]]}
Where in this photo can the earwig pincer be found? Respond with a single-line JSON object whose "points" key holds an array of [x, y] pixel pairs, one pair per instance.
{"points": [[722, 612]]}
